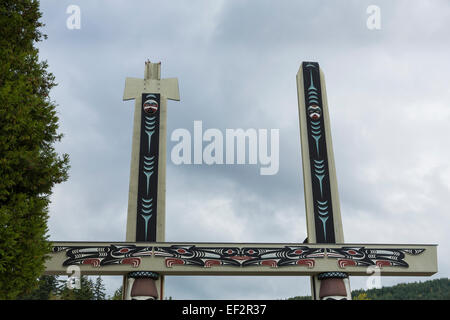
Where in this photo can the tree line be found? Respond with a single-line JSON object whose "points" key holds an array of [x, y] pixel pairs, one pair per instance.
{"points": [[53, 288], [438, 289]]}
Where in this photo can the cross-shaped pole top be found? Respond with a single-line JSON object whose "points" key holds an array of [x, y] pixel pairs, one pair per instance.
{"points": [[152, 70], [152, 82]]}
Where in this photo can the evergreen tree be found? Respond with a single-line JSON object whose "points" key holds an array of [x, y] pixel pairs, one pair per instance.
{"points": [[117, 294], [99, 289], [46, 289], [85, 292], [29, 165]]}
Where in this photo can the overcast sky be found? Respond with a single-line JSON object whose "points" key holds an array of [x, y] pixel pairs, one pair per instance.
{"points": [[236, 62]]}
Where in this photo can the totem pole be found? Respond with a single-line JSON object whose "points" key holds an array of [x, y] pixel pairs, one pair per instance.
{"points": [[323, 215], [147, 191]]}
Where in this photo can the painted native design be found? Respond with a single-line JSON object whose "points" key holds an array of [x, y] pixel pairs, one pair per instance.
{"points": [[323, 213], [239, 257], [275, 257], [105, 255], [361, 256], [148, 169], [151, 103]]}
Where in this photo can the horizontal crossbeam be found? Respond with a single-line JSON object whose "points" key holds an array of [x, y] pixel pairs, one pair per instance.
{"points": [[119, 258]]}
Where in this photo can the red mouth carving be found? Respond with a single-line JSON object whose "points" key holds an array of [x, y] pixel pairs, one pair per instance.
{"points": [[241, 257]]}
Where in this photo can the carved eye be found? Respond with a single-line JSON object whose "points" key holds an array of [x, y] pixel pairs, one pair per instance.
{"points": [[229, 252]]}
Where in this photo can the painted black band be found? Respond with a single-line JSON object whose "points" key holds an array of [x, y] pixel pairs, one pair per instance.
{"points": [[143, 274], [332, 275], [320, 178], [148, 168]]}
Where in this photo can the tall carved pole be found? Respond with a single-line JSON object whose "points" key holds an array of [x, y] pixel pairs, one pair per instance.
{"points": [[323, 216], [147, 191]]}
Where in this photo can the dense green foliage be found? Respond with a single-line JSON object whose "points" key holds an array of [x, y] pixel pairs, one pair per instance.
{"points": [[438, 289], [99, 289], [45, 290], [117, 294], [50, 288], [29, 165]]}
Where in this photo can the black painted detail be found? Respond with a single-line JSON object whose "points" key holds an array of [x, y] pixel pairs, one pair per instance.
{"points": [[320, 179], [332, 275], [148, 168], [143, 274]]}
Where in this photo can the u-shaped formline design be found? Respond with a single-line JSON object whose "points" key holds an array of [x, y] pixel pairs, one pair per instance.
{"points": [[147, 204], [315, 125], [322, 205]]}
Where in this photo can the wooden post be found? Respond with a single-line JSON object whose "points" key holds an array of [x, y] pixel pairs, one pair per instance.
{"points": [[147, 191], [323, 215]]}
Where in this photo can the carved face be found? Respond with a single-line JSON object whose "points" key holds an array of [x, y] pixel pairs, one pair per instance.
{"points": [[314, 112], [150, 104]]}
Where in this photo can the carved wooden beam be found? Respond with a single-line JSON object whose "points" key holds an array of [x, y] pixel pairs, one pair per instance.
{"points": [[292, 259]]}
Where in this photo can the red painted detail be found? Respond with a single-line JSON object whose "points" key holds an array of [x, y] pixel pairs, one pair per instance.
{"points": [[346, 262], [93, 262], [352, 252], [251, 251], [299, 251], [171, 261], [210, 263], [306, 262], [229, 251], [150, 107], [182, 251], [241, 257], [124, 250], [383, 263], [270, 263], [135, 262]]}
